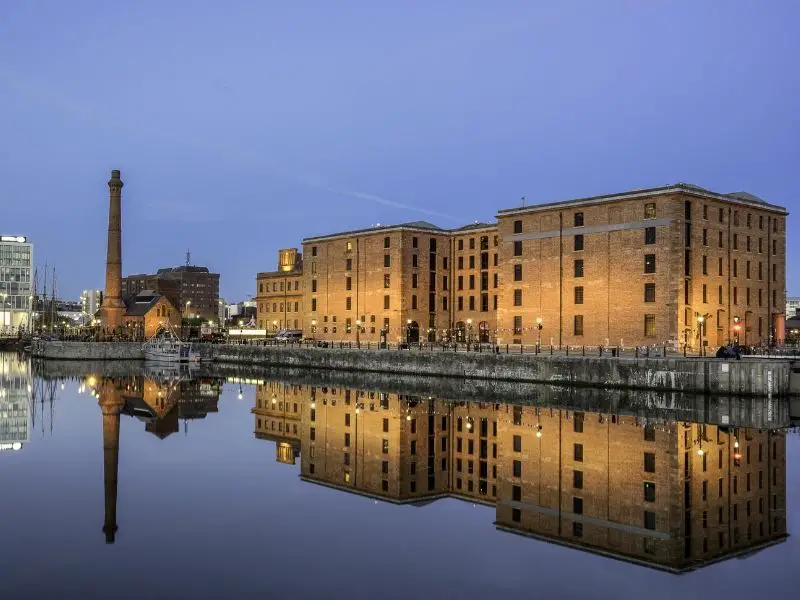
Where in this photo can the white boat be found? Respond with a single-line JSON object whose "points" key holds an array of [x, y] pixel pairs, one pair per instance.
{"points": [[165, 346]]}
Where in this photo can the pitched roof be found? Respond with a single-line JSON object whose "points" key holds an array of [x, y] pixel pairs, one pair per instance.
{"points": [[422, 225], [687, 188], [140, 304]]}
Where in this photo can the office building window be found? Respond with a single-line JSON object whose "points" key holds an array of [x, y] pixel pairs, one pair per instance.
{"points": [[578, 219], [649, 520], [579, 267], [517, 248], [517, 272], [517, 297], [578, 243], [387, 260], [579, 294], [577, 480], [517, 325], [386, 303], [650, 235], [387, 242], [517, 226]]}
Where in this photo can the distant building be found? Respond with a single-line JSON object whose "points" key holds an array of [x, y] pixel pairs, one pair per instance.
{"points": [[792, 307], [16, 266], [194, 290], [279, 295], [91, 301]]}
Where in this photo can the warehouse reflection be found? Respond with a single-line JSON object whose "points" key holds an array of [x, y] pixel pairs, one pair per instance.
{"points": [[645, 487]]}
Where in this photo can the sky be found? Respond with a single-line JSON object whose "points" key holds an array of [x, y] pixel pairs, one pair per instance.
{"points": [[241, 127]]}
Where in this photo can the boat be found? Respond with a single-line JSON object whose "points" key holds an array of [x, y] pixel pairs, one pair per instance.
{"points": [[166, 346]]}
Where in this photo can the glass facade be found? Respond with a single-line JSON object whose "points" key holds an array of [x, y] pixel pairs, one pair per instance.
{"points": [[16, 266], [14, 406]]}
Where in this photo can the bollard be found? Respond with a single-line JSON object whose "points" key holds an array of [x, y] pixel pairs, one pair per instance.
{"points": [[601, 350], [506, 348], [551, 349], [583, 350], [637, 352], [567, 348], [648, 352], [665, 351], [684, 350]]}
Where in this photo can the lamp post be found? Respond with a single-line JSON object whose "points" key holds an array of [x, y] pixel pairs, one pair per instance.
{"points": [[3, 296], [700, 320], [469, 333], [737, 327], [358, 333], [539, 334], [408, 331], [313, 326]]}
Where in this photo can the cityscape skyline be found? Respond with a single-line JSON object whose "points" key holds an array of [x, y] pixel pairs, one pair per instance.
{"points": [[373, 147]]}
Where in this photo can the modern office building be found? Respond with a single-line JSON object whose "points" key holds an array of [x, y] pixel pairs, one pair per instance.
{"points": [[671, 265], [91, 301], [279, 294], [16, 288], [792, 308]]}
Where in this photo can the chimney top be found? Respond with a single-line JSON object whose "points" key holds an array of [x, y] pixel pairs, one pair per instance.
{"points": [[115, 174]]}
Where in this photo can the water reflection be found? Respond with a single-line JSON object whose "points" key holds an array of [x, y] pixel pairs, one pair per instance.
{"points": [[662, 493], [160, 398], [664, 481], [15, 413]]}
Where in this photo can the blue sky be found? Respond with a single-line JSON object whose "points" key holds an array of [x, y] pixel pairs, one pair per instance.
{"points": [[241, 127]]}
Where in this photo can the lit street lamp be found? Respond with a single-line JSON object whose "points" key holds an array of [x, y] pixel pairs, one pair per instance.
{"points": [[358, 333], [737, 327], [408, 331], [539, 334], [700, 320]]}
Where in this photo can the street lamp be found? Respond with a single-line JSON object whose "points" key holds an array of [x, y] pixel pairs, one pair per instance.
{"points": [[3, 296], [700, 320], [313, 326], [408, 331], [469, 332], [539, 334], [737, 327], [358, 333]]}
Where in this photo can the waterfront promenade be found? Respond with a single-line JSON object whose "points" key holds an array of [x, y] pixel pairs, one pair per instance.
{"points": [[752, 377]]}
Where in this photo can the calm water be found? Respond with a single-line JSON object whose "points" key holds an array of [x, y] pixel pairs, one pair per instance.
{"points": [[121, 482]]}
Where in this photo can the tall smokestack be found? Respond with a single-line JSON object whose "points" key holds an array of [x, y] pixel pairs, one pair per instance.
{"points": [[113, 307]]}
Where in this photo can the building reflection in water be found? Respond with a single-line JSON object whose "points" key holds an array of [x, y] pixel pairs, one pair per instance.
{"points": [[15, 407], [161, 400], [674, 495]]}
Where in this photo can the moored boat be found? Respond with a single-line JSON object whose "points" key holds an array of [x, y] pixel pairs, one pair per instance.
{"points": [[166, 346]]}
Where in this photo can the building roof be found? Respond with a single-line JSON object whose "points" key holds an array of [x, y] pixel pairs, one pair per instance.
{"points": [[298, 270], [140, 304], [183, 269], [473, 226], [680, 187], [411, 225]]}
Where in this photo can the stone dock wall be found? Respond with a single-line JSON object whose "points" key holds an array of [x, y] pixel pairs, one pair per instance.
{"points": [[691, 375]]}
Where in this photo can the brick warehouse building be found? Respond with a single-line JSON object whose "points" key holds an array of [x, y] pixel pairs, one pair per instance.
{"points": [[279, 294], [635, 268]]}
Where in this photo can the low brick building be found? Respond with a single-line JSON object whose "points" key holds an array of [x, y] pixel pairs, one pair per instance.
{"points": [[147, 311]]}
